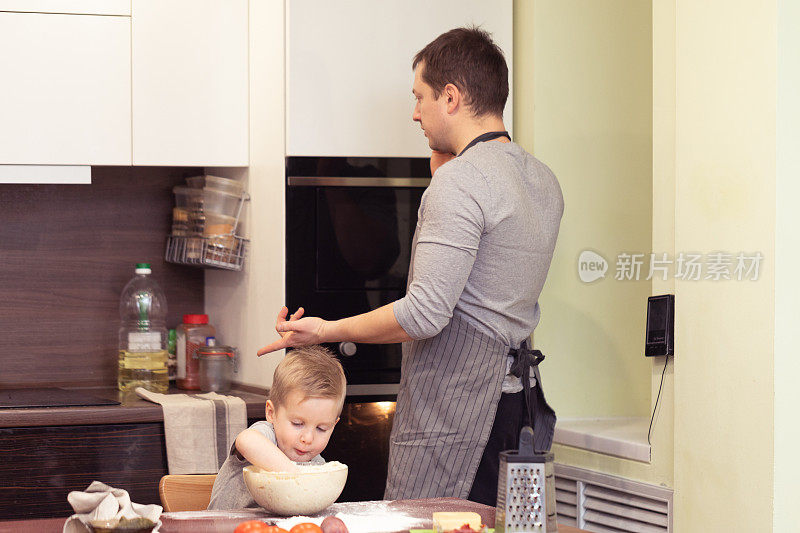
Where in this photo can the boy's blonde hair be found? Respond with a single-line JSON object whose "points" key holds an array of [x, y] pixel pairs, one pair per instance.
{"points": [[312, 370]]}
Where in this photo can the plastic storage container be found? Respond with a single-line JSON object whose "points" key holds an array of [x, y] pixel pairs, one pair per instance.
{"points": [[205, 224], [221, 203], [219, 232], [187, 211], [216, 368], [191, 335], [142, 334], [229, 186]]}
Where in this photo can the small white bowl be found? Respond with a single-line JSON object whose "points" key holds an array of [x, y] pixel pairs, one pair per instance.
{"points": [[303, 493]]}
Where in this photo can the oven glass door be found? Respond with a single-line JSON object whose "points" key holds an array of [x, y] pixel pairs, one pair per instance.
{"points": [[348, 248]]}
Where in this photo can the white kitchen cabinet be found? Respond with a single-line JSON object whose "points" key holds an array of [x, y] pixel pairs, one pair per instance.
{"points": [[349, 70], [81, 7], [66, 89], [190, 82]]}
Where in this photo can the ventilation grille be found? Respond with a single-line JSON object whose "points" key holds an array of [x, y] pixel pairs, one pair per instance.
{"points": [[610, 504]]}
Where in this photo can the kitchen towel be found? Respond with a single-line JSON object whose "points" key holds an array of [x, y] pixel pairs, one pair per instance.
{"points": [[199, 429], [101, 502]]}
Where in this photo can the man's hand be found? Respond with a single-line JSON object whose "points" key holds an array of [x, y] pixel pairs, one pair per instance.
{"points": [[282, 318], [376, 326], [438, 159], [295, 332]]}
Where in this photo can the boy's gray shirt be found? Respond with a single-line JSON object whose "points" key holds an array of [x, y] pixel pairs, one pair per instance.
{"points": [[229, 490], [486, 232]]}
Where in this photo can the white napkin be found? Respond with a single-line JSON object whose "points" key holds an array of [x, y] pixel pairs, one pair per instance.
{"points": [[101, 502]]}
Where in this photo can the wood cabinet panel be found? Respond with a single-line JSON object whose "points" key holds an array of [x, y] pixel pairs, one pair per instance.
{"points": [[42, 465]]}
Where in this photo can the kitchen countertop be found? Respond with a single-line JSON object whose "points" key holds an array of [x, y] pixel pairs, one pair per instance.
{"points": [[132, 409]]}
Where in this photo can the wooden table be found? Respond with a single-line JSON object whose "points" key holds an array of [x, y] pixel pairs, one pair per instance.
{"points": [[419, 511]]}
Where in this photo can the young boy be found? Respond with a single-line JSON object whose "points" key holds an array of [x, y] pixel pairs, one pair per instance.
{"points": [[304, 405]]}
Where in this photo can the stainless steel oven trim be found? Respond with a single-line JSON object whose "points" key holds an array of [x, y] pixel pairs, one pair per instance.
{"points": [[333, 181]]}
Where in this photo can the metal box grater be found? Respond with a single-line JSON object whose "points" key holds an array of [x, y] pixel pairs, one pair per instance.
{"points": [[526, 492]]}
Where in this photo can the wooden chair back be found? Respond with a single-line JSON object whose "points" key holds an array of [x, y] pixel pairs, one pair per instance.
{"points": [[186, 492]]}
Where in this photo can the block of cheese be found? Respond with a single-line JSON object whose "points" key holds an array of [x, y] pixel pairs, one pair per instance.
{"points": [[449, 521]]}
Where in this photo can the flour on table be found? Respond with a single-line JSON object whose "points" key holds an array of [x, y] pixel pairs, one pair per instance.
{"points": [[363, 517], [244, 514]]}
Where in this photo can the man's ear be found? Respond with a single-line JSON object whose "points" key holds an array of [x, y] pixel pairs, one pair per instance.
{"points": [[270, 411], [453, 98]]}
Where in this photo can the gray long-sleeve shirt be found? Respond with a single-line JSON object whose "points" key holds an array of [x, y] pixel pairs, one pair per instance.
{"points": [[485, 237]]}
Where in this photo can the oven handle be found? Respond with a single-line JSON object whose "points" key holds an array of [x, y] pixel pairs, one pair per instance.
{"points": [[332, 181]]}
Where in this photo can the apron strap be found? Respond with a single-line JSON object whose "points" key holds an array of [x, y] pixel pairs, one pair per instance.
{"points": [[524, 359], [485, 137]]}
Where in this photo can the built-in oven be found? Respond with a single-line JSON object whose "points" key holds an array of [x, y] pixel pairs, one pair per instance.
{"points": [[349, 226]]}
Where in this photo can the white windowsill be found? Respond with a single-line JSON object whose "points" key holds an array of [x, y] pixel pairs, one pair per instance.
{"points": [[620, 437]]}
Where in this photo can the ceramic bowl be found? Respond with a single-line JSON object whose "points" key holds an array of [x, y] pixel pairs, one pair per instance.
{"points": [[303, 493]]}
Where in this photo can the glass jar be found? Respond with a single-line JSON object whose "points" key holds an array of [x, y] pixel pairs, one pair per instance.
{"points": [[191, 335], [216, 367]]}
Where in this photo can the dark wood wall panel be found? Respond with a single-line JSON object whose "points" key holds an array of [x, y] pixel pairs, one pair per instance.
{"points": [[66, 252]]}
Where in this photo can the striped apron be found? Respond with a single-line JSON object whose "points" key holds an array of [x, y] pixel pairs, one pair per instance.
{"points": [[450, 385], [449, 389]]}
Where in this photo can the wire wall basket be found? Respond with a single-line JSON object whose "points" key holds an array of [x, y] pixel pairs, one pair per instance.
{"points": [[204, 224], [223, 251]]}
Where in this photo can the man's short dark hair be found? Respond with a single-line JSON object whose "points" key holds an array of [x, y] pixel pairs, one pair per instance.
{"points": [[470, 60]]}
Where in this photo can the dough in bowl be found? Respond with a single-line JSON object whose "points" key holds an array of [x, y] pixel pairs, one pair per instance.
{"points": [[306, 492]]}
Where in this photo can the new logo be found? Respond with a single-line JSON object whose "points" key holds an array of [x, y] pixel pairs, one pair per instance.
{"points": [[591, 266]]}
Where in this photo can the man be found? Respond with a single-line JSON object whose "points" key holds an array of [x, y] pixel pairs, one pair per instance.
{"points": [[487, 228]]}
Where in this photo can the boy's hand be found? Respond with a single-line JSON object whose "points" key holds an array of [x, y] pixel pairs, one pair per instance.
{"points": [[263, 453], [295, 332]]}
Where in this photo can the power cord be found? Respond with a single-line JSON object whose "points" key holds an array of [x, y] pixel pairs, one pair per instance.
{"points": [[655, 407]]}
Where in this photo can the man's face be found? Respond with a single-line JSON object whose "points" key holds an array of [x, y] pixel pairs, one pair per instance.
{"points": [[430, 112]]}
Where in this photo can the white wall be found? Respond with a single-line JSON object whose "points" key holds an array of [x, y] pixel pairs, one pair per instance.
{"points": [[243, 305]]}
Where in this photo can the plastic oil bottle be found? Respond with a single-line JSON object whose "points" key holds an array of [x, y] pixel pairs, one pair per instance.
{"points": [[143, 352]]}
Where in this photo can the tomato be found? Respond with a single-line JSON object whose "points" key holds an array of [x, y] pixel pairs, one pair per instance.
{"points": [[306, 527], [257, 526]]}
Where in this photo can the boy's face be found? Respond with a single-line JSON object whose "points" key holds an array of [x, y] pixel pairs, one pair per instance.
{"points": [[303, 425]]}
